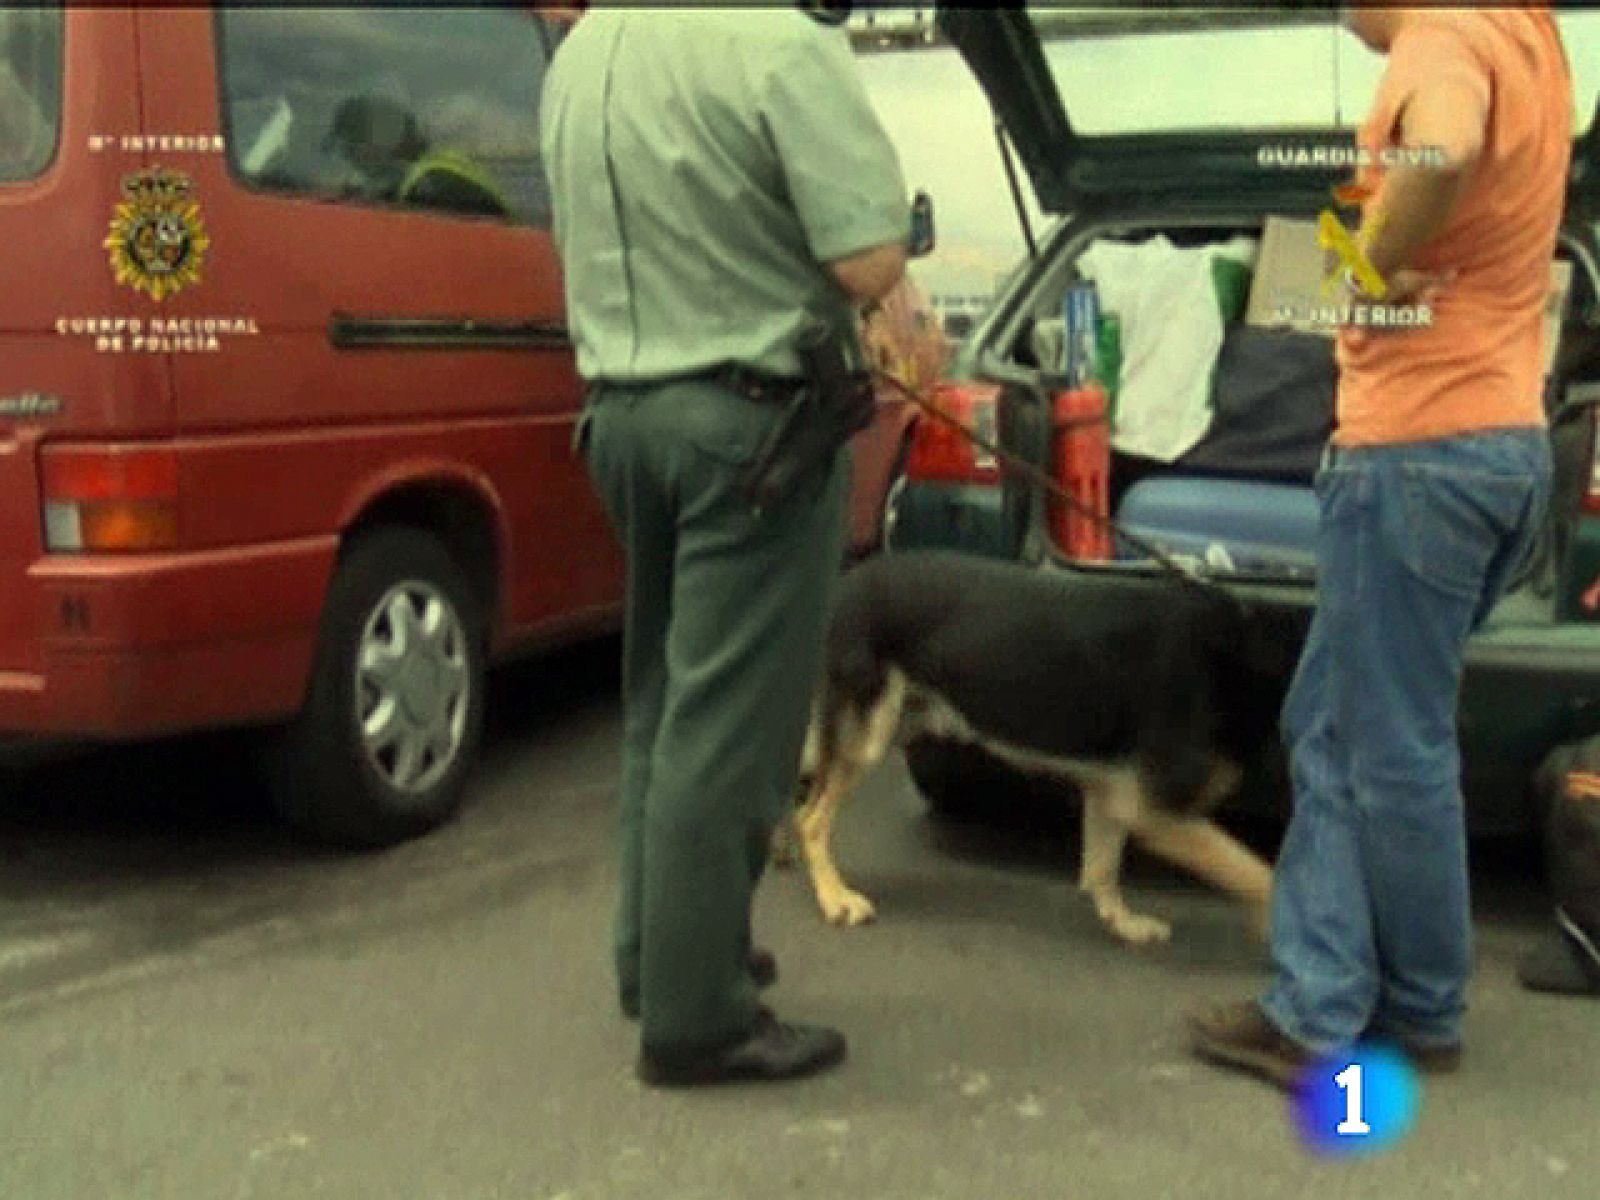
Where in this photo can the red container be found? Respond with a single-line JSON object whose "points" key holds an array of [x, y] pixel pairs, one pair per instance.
{"points": [[1081, 458], [939, 451]]}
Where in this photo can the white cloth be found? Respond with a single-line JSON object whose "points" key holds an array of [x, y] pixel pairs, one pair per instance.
{"points": [[1171, 333]]}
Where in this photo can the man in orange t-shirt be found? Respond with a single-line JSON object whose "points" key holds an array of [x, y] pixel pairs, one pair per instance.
{"points": [[1432, 492]]}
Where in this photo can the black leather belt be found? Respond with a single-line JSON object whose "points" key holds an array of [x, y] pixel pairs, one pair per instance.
{"points": [[759, 386]]}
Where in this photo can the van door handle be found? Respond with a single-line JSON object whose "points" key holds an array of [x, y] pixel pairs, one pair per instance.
{"points": [[348, 332]]}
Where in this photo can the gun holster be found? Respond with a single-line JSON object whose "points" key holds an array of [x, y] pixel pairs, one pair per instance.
{"points": [[835, 404]]}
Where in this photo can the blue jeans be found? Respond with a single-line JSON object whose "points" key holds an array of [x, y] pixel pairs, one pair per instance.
{"points": [[1371, 925]]}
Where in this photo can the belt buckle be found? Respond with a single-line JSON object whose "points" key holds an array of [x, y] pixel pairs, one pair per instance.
{"points": [[760, 388]]}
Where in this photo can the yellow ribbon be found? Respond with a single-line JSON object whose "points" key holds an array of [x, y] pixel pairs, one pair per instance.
{"points": [[1351, 252]]}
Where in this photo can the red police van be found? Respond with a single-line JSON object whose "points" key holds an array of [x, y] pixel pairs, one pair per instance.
{"points": [[286, 392]]}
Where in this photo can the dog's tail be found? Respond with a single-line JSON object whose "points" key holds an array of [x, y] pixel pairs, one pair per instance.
{"points": [[811, 756], [853, 717], [859, 696]]}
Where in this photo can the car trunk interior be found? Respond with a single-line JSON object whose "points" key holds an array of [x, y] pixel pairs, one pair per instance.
{"points": [[1239, 498]]}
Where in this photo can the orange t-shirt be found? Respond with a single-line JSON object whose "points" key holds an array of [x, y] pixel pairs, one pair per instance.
{"points": [[1479, 365]]}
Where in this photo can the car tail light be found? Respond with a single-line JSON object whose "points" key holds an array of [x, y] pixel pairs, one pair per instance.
{"points": [[941, 453], [110, 499]]}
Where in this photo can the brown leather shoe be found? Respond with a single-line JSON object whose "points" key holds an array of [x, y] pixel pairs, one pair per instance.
{"points": [[1238, 1035], [1430, 1058], [1433, 1060]]}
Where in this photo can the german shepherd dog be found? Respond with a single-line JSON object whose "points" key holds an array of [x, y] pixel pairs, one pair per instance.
{"points": [[1152, 699]]}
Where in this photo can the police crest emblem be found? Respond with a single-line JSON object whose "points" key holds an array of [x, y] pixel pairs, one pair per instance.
{"points": [[157, 241]]}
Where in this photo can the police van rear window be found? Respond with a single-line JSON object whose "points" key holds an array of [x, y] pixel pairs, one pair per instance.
{"points": [[30, 89]]}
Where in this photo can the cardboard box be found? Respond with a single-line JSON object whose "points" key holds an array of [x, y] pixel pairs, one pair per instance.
{"points": [[1291, 267], [1287, 288]]}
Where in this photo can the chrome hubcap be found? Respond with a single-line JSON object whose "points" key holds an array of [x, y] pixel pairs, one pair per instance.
{"points": [[413, 685]]}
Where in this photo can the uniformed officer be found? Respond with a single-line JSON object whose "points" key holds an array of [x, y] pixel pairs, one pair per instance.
{"points": [[719, 178], [384, 141]]}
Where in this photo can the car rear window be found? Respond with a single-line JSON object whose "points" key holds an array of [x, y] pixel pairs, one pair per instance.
{"points": [[1237, 69], [351, 103], [30, 89]]}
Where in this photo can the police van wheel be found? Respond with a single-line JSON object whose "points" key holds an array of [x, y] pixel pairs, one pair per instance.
{"points": [[394, 715]]}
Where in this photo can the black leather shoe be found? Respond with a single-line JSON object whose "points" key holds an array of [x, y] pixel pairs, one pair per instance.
{"points": [[773, 1052], [763, 969]]}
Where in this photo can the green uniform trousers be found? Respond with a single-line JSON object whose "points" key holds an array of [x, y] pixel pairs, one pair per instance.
{"points": [[726, 614]]}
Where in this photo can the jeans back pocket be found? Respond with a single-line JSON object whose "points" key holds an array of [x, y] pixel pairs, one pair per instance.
{"points": [[1457, 521]]}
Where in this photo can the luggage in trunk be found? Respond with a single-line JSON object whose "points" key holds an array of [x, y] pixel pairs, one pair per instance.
{"points": [[1234, 526], [1272, 406]]}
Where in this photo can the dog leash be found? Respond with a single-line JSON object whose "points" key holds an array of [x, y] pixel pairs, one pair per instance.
{"points": [[1040, 479]]}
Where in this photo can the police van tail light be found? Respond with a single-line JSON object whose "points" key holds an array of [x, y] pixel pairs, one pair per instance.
{"points": [[110, 499], [941, 453]]}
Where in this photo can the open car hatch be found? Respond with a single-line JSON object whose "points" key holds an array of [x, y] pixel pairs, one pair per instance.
{"points": [[1210, 151]]}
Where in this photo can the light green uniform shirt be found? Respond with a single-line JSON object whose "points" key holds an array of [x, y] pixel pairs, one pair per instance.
{"points": [[704, 165]]}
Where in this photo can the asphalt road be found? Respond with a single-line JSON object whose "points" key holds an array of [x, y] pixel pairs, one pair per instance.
{"points": [[194, 1006]]}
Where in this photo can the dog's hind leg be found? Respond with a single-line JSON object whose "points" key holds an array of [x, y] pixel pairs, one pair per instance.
{"points": [[853, 749], [1204, 848], [839, 904], [1108, 808], [786, 833]]}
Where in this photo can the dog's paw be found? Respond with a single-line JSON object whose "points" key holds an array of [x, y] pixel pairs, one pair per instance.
{"points": [[1141, 931], [848, 908]]}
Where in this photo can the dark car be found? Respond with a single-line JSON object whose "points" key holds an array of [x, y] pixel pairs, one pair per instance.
{"points": [[1238, 501]]}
